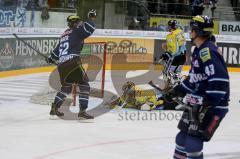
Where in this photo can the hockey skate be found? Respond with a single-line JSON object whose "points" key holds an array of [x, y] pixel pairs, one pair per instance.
{"points": [[84, 116], [54, 113]]}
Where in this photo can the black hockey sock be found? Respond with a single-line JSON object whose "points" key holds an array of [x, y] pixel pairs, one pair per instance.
{"points": [[179, 153], [59, 99], [84, 96], [83, 101]]}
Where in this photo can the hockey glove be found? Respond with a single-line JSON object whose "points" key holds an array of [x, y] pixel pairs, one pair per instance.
{"points": [[192, 99], [92, 13], [176, 92]]}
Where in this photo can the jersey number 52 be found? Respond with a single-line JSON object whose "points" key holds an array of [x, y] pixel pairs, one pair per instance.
{"points": [[63, 48]]}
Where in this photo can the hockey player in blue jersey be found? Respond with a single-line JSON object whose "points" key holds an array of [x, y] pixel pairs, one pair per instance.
{"points": [[70, 69], [205, 93]]}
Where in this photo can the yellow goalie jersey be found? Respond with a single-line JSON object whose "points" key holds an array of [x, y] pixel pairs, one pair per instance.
{"points": [[176, 42], [139, 99]]}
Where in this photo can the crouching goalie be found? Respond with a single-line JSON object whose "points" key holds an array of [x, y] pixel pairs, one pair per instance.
{"points": [[134, 97]]}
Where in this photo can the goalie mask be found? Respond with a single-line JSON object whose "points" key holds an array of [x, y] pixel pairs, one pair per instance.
{"points": [[128, 88]]}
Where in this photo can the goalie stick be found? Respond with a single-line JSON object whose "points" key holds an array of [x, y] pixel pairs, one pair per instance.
{"points": [[30, 46], [164, 92], [181, 104], [113, 100], [123, 104], [155, 86]]}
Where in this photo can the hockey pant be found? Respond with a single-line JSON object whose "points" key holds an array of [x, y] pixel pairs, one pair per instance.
{"points": [[72, 72]]}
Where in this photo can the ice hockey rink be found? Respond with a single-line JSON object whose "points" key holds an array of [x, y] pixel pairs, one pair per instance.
{"points": [[27, 133]]}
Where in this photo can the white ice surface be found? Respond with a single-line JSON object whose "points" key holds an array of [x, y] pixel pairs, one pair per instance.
{"points": [[27, 133]]}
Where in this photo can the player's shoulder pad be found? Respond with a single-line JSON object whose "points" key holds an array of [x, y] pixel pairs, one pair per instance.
{"points": [[205, 54]]}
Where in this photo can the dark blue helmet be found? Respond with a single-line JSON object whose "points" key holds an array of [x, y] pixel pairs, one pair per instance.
{"points": [[203, 25], [172, 24]]}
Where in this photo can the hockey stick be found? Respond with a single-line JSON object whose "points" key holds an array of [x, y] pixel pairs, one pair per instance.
{"points": [[113, 102], [181, 105], [30, 46], [162, 91], [123, 104], [155, 86]]}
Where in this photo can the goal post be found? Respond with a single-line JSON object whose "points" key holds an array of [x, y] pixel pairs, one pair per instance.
{"points": [[99, 49]]}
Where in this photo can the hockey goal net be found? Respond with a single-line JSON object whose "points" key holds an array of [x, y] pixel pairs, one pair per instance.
{"points": [[93, 58]]}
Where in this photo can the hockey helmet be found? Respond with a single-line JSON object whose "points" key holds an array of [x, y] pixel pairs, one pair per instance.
{"points": [[213, 39], [202, 25], [128, 87], [172, 24], [72, 19]]}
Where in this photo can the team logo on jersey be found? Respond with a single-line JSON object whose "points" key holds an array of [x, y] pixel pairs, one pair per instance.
{"points": [[6, 56], [195, 63], [205, 54]]}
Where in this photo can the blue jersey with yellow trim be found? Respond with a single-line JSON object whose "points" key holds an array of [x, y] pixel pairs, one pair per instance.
{"points": [[208, 76], [72, 40]]}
